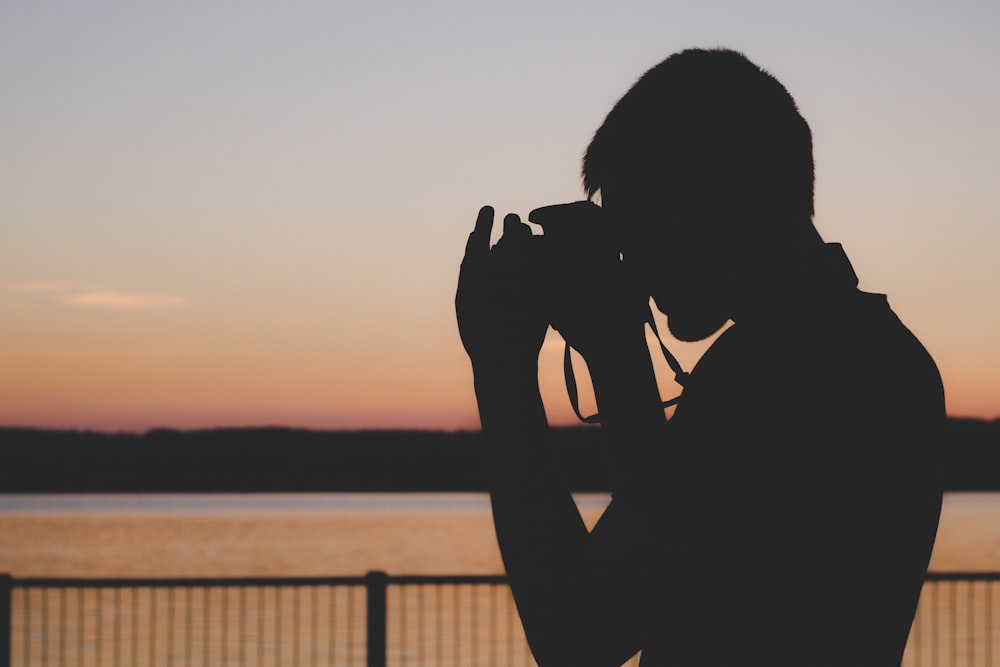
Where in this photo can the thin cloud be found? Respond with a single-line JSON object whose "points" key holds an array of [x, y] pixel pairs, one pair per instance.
{"points": [[84, 296], [125, 300]]}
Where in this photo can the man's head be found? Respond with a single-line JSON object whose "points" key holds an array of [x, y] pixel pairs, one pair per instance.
{"points": [[705, 166]]}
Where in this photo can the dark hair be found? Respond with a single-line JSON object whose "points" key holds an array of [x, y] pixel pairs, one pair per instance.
{"points": [[717, 130]]}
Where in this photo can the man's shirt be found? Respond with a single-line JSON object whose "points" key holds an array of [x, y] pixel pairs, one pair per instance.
{"points": [[796, 502]]}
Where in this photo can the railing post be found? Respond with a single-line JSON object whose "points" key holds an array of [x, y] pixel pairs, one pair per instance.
{"points": [[6, 588], [376, 584]]}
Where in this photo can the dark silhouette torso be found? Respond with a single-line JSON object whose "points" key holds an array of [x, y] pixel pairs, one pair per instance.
{"points": [[797, 495]]}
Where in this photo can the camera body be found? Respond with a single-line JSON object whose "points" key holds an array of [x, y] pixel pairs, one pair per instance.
{"points": [[576, 229], [579, 263]]}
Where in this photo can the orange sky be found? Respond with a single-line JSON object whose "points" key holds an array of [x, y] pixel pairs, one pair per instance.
{"points": [[236, 215]]}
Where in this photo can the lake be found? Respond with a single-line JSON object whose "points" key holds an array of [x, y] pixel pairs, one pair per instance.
{"points": [[278, 535], [177, 535]]}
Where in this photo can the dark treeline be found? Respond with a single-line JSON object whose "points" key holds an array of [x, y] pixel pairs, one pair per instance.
{"points": [[282, 459], [265, 459]]}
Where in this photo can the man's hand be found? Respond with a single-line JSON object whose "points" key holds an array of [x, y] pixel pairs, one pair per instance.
{"points": [[581, 600], [498, 303]]}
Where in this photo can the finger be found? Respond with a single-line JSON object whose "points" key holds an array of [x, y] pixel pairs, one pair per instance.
{"points": [[484, 222], [511, 221], [479, 239], [514, 229]]}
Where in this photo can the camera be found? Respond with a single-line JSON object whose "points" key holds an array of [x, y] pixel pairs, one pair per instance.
{"points": [[576, 232], [578, 256], [578, 244]]}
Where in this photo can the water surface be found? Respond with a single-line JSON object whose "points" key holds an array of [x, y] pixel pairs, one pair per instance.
{"points": [[326, 534]]}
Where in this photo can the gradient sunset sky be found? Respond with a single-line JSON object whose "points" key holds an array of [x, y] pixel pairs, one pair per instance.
{"points": [[248, 213]]}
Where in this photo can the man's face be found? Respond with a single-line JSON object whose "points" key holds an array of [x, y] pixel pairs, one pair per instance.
{"points": [[676, 255]]}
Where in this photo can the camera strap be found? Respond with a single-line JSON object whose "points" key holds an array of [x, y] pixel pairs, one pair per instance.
{"points": [[680, 376]]}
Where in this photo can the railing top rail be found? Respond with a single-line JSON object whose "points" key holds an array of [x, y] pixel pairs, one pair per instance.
{"points": [[963, 576], [181, 582], [420, 579]]}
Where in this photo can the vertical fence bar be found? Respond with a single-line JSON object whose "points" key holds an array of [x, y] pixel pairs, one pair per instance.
{"points": [[350, 625], [295, 626], [6, 588], [988, 624], [260, 626], [376, 584]]}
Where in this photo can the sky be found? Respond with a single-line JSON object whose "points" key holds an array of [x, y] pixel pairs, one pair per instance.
{"points": [[251, 213]]}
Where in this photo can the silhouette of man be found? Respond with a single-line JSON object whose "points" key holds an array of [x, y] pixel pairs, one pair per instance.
{"points": [[785, 514]]}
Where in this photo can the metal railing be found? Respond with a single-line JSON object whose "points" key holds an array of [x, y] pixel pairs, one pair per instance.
{"points": [[954, 621], [371, 621]]}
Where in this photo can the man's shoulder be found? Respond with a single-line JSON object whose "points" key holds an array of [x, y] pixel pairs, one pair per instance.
{"points": [[849, 353]]}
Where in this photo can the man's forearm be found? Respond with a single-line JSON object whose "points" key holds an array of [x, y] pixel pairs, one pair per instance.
{"points": [[625, 385], [628, 400], [522, 471], [539, 529], [577, 602], [531, 502]]}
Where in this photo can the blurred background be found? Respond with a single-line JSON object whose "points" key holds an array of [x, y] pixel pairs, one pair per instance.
{"points": [[250, 213]]}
